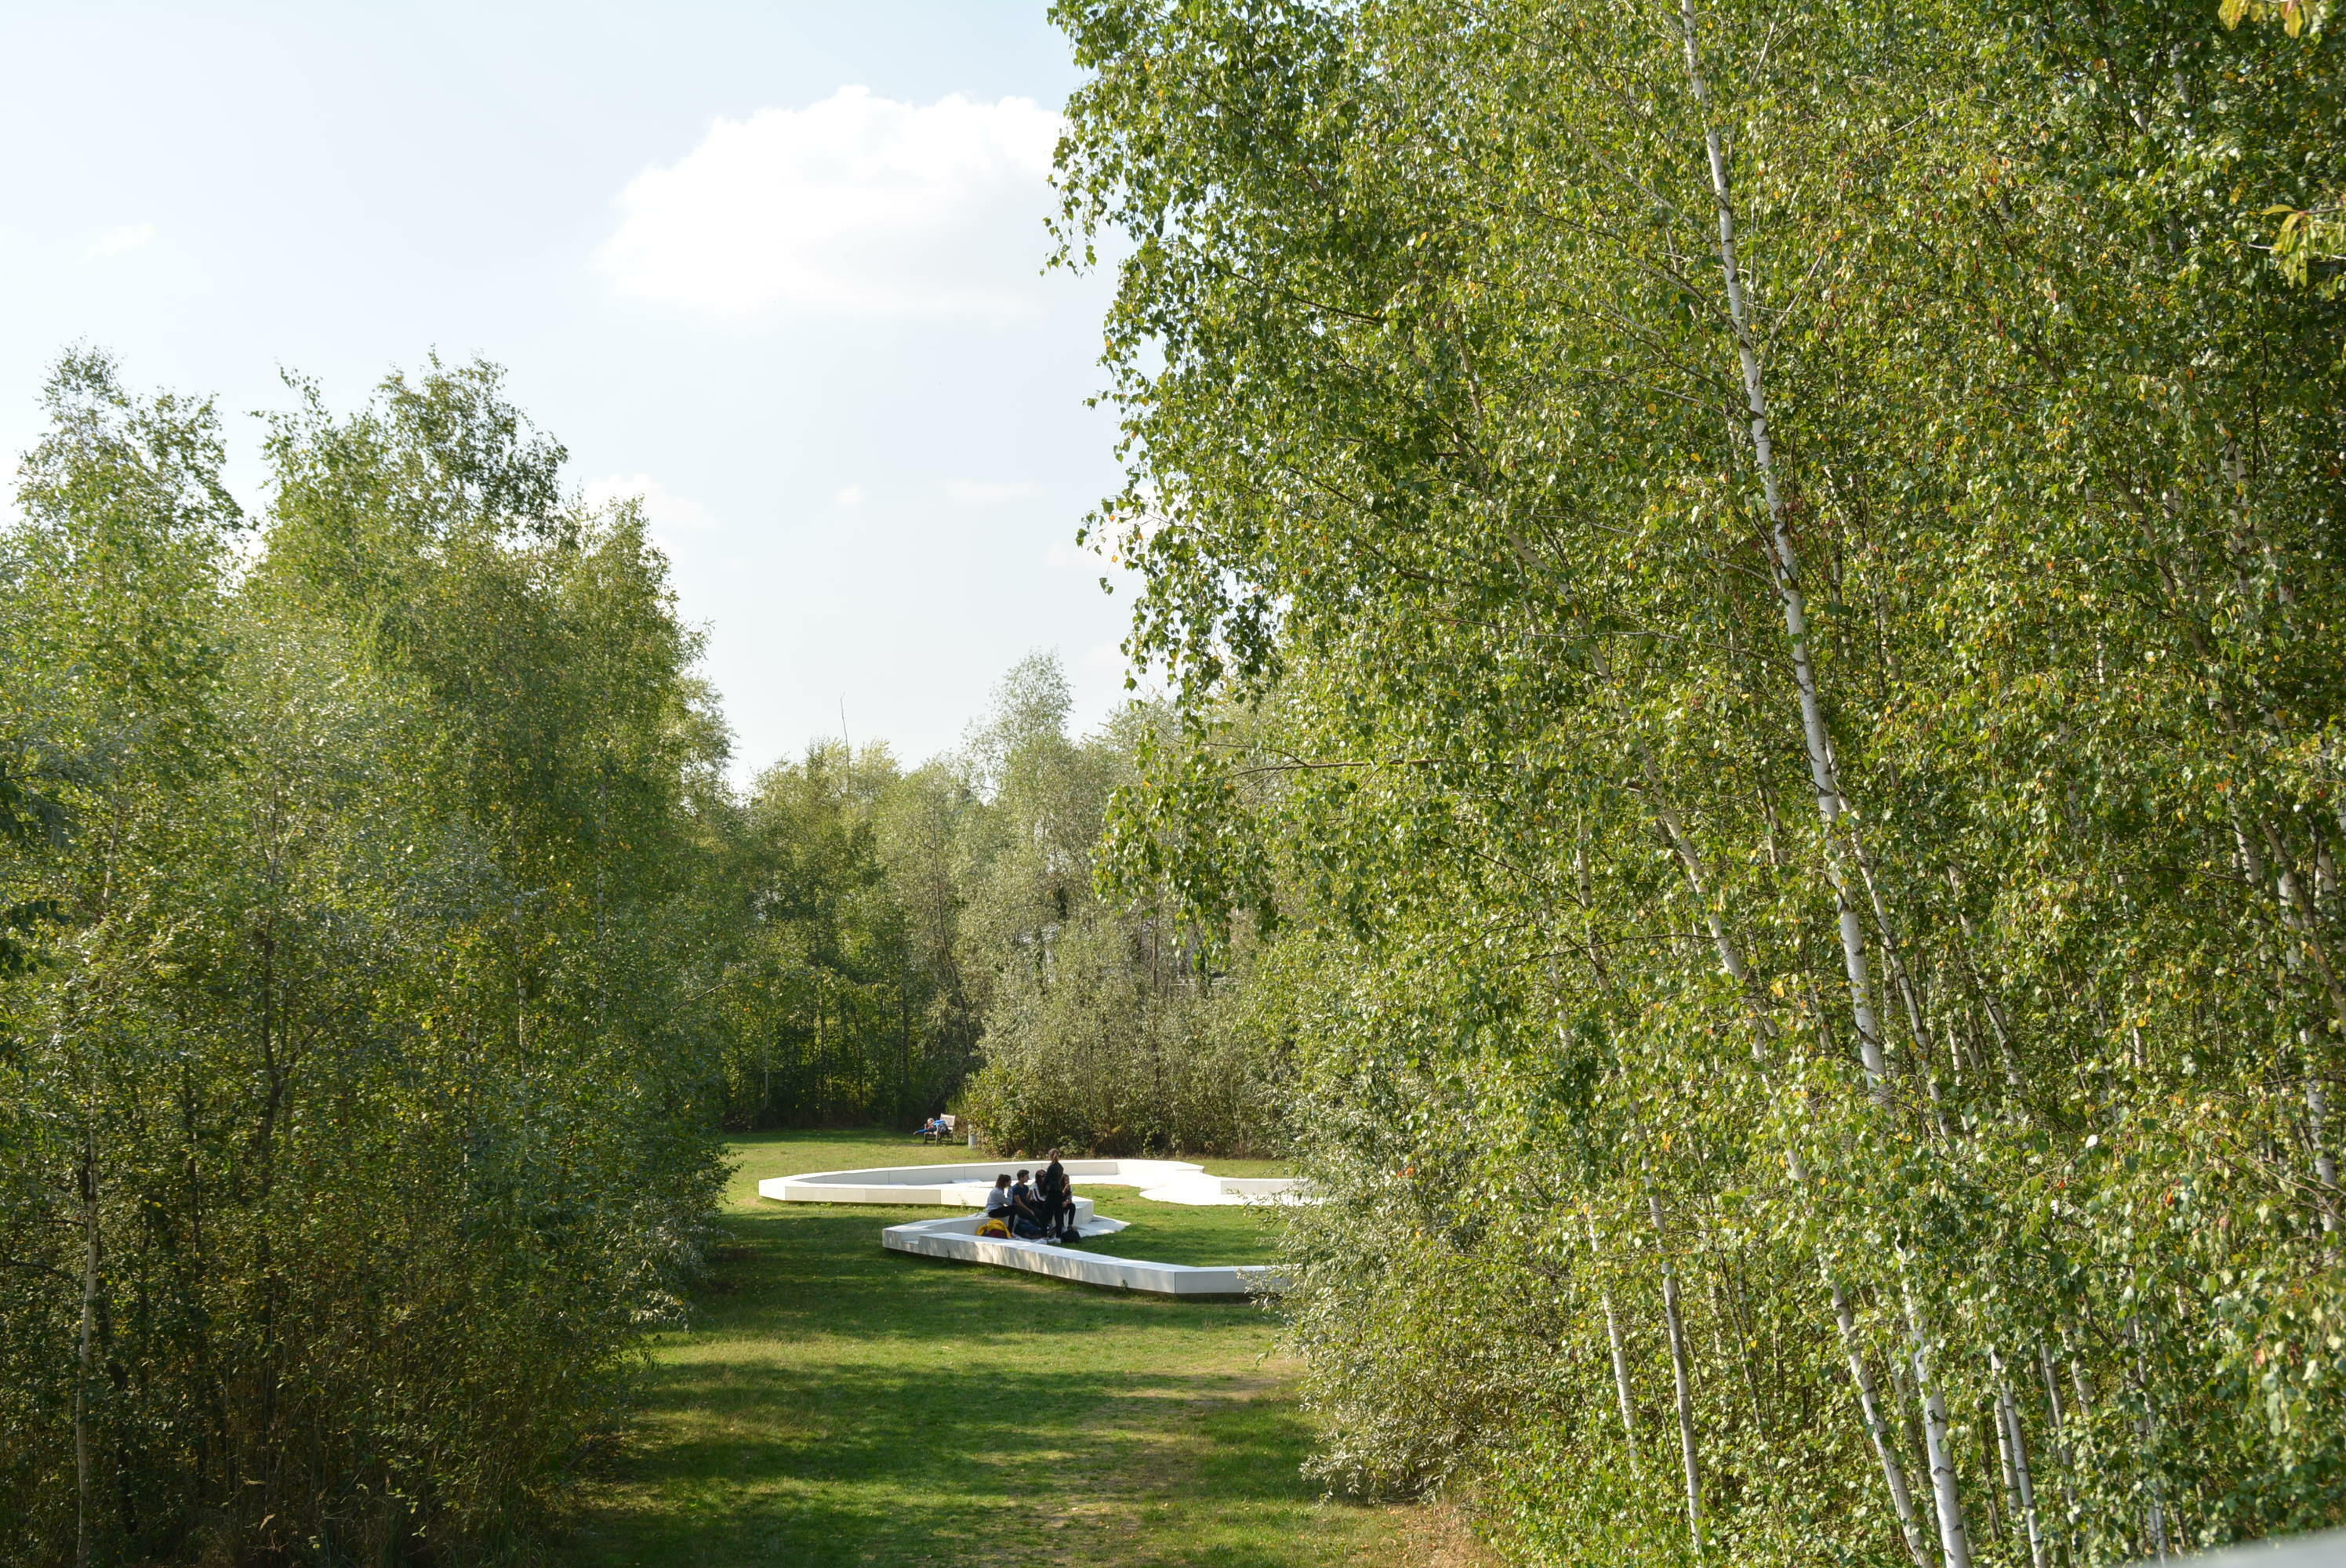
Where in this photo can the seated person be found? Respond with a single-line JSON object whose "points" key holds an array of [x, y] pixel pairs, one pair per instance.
{"points": [[1057, 1196], [1027, 1208], [999, 1204], [934, 1127]]}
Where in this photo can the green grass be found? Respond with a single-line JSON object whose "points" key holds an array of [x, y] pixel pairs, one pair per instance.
{"points": [[1177, 1233], [834, 1403]]}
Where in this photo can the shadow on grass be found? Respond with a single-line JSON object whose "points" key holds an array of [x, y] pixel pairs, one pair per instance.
{"points": [[822, 1270]]}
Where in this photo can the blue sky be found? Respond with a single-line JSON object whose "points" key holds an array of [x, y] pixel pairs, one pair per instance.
{"points": [[772, 266]]}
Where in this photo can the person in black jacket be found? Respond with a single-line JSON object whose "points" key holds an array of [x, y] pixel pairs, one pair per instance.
{"points": [[1028, 1222], [1057, 1200]]}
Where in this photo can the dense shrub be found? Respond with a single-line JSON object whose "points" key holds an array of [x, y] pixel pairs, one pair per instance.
{"points": [[351, 1110]]}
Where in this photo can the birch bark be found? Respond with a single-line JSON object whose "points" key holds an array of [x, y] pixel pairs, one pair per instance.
{"points": [[1822, 770], [2325, 1166], [1893, 1474], [1682, 1371], [1620, 1355], [2017, 1445], [1822, 773], [2060, 1439], [1954, 1541]]}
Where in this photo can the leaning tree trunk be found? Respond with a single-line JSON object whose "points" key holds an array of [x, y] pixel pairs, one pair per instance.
{"points": [[2016, 1441], [1683, 1372], [1620, 1354], [1823, 775], [1954, 1540], [1893, 1474], [1822, 771], [1731, 958]]}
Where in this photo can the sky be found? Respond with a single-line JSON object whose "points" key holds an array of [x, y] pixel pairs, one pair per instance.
{"points": [[775, 268]]}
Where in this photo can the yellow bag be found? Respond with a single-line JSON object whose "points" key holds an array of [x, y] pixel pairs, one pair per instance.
{"points": [[995, 1228]]}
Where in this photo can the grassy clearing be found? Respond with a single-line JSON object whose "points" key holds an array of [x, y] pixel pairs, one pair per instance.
{"points": [[1177, 1233], [835, 1403]]}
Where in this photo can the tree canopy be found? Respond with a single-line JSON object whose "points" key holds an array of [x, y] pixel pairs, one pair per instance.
{"points": [[1753, 587]]}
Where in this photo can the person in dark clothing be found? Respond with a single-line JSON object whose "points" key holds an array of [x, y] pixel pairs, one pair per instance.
{"points": [[1058, 1194], [1027, 1208]]}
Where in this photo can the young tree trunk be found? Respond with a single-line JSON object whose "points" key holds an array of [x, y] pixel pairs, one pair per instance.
{"points": [[2060, 1436], [1683, 1372], [2325, 1168], [1731, 958], [1893, 1474], [1620, 1354], [1954, 1541], [1822, 773], [2016, 1442], [1731, 962]]}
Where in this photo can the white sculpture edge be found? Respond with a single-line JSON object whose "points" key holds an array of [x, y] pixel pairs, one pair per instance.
{"points": [[965, 1185], [956, 1237]]}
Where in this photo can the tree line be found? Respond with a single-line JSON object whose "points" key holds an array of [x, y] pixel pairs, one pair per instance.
{"points": [[384, 952], [1752, 593]]}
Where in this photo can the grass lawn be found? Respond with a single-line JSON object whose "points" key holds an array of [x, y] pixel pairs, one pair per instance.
{"points": [[835, 1403]]}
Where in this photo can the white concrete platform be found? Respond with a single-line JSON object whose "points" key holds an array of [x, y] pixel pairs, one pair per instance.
{"points": [[956, 1237], [965, 1185], [1213, 1189]]}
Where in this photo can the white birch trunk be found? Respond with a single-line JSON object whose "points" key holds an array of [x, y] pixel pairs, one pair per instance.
{"points": [[1954, 1541], [2015, 1439], [1732, 962], [2325, 1168], [1822, 773], [1893, 1474], [1731, 958], [2297, 911], [1620, 1355], [2060, 1439], [1683, 1372]]}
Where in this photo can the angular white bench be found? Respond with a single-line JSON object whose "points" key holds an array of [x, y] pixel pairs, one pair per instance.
{"points": [[965, 1186], [956, 1237]]}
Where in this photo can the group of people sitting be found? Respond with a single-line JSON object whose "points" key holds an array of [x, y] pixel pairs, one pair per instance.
{"points": [[1040, 1209]]}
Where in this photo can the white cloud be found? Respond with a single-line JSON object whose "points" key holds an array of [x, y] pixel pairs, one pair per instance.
{"points": [[857, 204], [851, 496], [990, 492], [114, 241], [665, 509]]}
